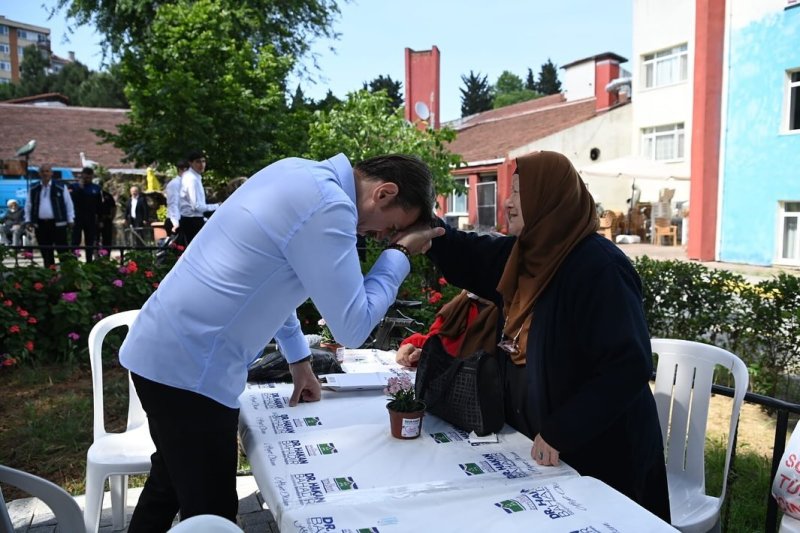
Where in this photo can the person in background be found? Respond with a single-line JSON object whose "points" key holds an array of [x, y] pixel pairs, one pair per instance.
{"points": [[108, 211], [137, 217], [573, 326], [49, 210], [88, 200], [12, 224], [173, 193], [192, 204], [237, 286], [466, 324]]}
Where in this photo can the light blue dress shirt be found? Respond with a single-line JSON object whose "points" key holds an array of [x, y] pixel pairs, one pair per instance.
{"points": [[287, 234]]}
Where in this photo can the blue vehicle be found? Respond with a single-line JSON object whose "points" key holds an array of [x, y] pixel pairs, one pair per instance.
{"points": [[15, 186]]}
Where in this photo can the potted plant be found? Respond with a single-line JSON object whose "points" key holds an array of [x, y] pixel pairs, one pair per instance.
{"points": [[405, 410], [327, 342]]}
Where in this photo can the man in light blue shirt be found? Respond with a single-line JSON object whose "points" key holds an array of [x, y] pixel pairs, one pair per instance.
{"points": [[287, 234]]}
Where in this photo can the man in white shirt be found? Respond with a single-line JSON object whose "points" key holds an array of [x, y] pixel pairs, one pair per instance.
{"points": [[287, 234], [173, 193], [49, 210], [192, 203]]}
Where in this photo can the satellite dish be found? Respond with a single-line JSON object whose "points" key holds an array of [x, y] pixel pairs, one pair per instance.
{"points": [[27, 149], [422, 111]]}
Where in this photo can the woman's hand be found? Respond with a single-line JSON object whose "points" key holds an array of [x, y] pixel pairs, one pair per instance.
{"points": [[417, 239], [408, 355], [543, 453]]}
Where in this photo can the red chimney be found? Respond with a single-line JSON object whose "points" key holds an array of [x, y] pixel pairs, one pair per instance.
{"points": [[422, 87], [605, 71]]}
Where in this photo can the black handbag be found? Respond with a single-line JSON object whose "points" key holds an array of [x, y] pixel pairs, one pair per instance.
{"points": [[466, 392]]}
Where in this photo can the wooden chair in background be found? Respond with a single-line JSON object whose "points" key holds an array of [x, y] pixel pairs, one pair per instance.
{"points": [[664, 228]]}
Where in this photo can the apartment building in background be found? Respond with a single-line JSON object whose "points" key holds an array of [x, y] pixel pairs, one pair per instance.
{"points": [[14, 38]]}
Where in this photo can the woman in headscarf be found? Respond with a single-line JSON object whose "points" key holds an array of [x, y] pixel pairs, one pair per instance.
{"points": [[578, 359]]}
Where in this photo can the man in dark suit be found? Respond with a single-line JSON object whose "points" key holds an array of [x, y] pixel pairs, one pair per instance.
{"points": [[49, 210], [87, 199], [137, 217]]}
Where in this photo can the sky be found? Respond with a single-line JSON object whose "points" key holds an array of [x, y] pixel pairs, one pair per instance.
{"points": [[472, 35]]}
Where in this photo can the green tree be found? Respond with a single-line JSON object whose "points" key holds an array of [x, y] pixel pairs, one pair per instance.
{"points": [[103, 89], [33, 78], [548, 79], [326, 104], [530, 81], [68, 81], [363, 126], [198, 83], [393, 89], [509, 90], [476, 95], [289, 25]]}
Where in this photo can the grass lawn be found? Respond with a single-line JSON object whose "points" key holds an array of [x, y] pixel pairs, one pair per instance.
{"points": [[46, 428]]}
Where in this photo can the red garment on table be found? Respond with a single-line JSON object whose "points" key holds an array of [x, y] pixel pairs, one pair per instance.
{"points": [[450, 344]]}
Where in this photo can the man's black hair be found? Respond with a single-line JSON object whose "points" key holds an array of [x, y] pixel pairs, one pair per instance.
{"points": [[87, 170], [195, 155], [182, 164], [412, 177]]}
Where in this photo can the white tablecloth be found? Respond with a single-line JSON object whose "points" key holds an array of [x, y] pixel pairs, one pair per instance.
{"points": [[334, 463]]}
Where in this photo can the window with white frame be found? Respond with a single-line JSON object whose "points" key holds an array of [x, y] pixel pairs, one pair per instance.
{"points": [[28, 35], [789, 237], [663, 143], [666, 67], [793, 96], [4, 81], [457, 202], [487, 202], [4, 48], [3, 29], [5, 65]]}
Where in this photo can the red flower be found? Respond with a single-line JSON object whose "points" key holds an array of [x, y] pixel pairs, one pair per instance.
{"points": [[8, 361], [17, 286], [155, 285], [38, 286], [8, 303], [132, 267], [32, 320], [148, 274], [29, 346], [23, 313], [435, 297], [442, 281], [13, 329]]}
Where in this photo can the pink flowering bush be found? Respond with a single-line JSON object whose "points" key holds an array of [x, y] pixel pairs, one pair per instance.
{"points": [[46, 314], [400, 388]]}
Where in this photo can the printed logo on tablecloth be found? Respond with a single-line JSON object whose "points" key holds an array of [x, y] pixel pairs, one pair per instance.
{"points": [[319, 524], [324, 448], [274, 400], [444, 437], [294, 453], [495, 462], [538, 499], [309, 489], [588, 529], [283, 423]]}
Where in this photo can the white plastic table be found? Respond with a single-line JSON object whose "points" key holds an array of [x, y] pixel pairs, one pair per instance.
{"points": [[333, 466]]}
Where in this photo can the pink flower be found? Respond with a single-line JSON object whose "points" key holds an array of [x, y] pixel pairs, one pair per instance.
{"points": [[27, 255], [8, 303], [69, 296], [13, 329], [155, 285], [97, 317], [118, 283], [23, 313], [8, 361], [442, 281], [17, 286], [73, 336], [102, 252], [29, 346], [148, 274], [38, 286], [32, 320], [76, 253], [123, 269]]}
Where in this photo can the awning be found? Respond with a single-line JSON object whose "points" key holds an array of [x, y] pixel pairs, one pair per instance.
{"points": [[638, 168]]}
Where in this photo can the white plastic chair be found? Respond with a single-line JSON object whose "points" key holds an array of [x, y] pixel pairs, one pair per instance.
{"points": [[64, 507], [113, 455], [206, 523], [683, 393], [789, 525]]}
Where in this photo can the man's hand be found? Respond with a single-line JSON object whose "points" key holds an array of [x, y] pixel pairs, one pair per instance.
{"points": [[306, 384], [408, 355], [417, 239], [543, 453]]}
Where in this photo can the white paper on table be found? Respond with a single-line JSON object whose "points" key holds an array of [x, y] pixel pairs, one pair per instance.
{"points": [[366, 361], [357, 381]]}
